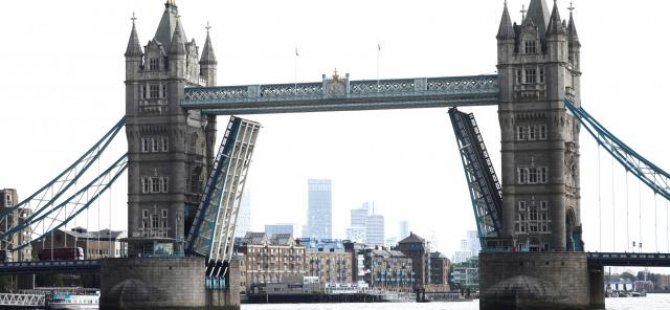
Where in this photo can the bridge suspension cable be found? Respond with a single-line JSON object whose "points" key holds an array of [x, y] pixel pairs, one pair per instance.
{"points": [[54, 189], [657, 179], [79, 202]]}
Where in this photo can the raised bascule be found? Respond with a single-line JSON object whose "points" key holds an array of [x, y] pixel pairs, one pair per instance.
{"points": [[183, 195]]}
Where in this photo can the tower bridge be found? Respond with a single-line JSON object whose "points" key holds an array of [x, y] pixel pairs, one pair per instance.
{"points": [[183, 194]]}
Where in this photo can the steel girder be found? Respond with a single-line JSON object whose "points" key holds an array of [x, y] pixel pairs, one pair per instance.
{"points": [[340, 94], [485, 189], [650, 174], [213, 229]]}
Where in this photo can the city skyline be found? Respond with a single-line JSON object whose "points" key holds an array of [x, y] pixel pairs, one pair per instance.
{"points": [[374, 155]]}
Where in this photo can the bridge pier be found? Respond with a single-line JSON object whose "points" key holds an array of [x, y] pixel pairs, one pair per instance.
{"points": [[539, 280]]}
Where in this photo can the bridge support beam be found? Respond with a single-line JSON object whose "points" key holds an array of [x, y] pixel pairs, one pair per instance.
{"points": [[597, 283], [539, 280]]}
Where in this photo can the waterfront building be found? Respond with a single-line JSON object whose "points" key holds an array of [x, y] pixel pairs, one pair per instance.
{"points": [[418, 250], [439, 272], [273, 229], [388, 269], [329, 261], [466, 274], [9, 197], [95, 244], [270, 259], [319, 209], [244, 215]]}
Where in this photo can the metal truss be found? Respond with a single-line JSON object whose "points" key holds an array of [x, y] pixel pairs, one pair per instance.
{"points": [[485, 189], [651, 175], [50, 266], [22, 300], [340, 94], [214, 226], [628, 259], [52, 191], [53, 218]]}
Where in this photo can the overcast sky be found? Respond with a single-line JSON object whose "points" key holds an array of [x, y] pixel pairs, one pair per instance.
{"points": [[62, 88]]}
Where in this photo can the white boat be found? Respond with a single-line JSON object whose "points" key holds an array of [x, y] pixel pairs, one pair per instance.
{"points": [[80, 299]]}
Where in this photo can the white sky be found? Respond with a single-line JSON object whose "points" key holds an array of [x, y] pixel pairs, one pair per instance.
{"points": [[62, 88]]}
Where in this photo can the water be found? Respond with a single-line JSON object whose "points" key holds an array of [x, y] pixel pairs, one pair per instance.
{"points": [[651, 302]]}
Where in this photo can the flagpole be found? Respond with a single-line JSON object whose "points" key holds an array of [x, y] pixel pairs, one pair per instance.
{"points": [[295, 72], [379, 49]]}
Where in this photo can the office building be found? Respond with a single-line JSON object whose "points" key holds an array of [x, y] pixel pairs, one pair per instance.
{"points": [[319, 209]]}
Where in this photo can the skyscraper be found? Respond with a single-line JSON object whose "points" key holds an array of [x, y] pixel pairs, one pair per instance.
{"points": [[404, 230], [319, 209], [244, 216], [374, 232]]}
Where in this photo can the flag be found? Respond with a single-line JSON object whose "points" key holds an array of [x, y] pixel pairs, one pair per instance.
{"points": [[296, 52], [379, 47]]}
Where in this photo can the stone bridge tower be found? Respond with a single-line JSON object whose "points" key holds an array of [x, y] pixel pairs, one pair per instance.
{"points": [[170, 149], [538, 68]]}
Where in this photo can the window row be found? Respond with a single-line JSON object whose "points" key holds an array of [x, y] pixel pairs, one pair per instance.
{"points": [[531, 132], [153, 91], [530, 76], [155, 144], [155, 185], [145, 213], [532, 175], [532, 218]]}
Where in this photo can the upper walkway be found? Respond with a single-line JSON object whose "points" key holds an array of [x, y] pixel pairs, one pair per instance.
{"points": [[341, 94], [629, 259], [50, 266]]}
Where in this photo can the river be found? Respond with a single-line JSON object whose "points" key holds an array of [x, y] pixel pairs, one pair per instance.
{"points": [[651, 302]]}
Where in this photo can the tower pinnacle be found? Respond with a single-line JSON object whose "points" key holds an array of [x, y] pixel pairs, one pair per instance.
{"points": [[208, 57], [134, 49], [506, 30]]}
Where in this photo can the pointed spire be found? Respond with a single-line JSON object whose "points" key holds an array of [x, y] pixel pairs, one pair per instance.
{"points": [[177, 46], [555, 24], [537, 15], [167, 25], [572, 29], [208, 57], [134, 49], [506, 30]]}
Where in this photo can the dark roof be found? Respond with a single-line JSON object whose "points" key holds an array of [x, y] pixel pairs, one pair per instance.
{"points": [[208, 57], [506, 29], [134, 49], [281, 239], [167, 25], [538, 15], [254, 238], [412, 238]]}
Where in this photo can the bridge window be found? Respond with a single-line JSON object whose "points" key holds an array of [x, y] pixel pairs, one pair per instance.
{"points": [[519, 76], [530, 76], [154, 91], [154, 145], [523, 175], [541, 75], [530, 47], [532, 175], [532, 132], [164, 91], [542, 174], [153, 64], [145, 214], [521, 133], [164, 144], [145, 145], [164, 213], [543, 132]]}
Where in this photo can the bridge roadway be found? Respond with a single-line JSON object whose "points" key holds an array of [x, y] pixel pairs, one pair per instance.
{"points": [[594, 259], [50, 266], [628, 259], [340, 94]]}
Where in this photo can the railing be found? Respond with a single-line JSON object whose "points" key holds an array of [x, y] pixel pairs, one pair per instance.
{"points": [[628, 259], [22, 300]]}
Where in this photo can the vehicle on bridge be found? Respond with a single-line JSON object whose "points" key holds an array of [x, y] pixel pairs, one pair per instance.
{"points": [[73, 253], [5, 256]]}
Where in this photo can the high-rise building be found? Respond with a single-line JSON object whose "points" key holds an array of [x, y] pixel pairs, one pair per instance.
{"points": [[357, 231], [319, 209], [404, 230], [244, 216], [274, 229], [474, 245], [374, 229]]}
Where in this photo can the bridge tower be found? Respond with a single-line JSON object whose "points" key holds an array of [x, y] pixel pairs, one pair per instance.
{"points": [[170, 150], [538, 68]]}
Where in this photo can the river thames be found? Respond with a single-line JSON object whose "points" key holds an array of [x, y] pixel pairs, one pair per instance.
{"points": [[651, 302]]}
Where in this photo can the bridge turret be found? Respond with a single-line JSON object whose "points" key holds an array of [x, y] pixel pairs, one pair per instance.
{"points": [[133, 54], [177, 54], [208, 72], [506, 48], [574, 45]]}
